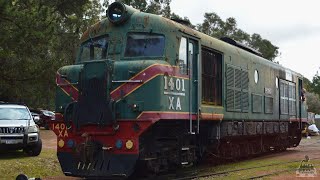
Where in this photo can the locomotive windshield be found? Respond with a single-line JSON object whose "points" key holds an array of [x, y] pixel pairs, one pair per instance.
{"points": [[144, 45], [94, 49]]}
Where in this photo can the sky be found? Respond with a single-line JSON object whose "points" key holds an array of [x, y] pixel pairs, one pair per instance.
{"points": [[291, 25]]}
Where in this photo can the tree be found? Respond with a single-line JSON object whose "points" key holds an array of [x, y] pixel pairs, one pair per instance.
{"points": [[264, 46], [161, 7], [214, 26], [307, 84], [313, 93], [38, 37], [315, 85], [313, 102], [185, 19]]}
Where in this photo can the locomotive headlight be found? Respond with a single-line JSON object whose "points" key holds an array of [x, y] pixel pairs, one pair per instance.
{"points": [[129, 144], [70, 143], [118, 144], [61, 143], [118, 12]]}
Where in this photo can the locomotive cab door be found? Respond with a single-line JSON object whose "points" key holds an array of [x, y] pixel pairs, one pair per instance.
{"points": [[194, 86], [189, 48]]}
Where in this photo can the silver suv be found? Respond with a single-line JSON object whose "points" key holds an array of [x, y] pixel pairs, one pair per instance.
{"points": [[18, 129]]}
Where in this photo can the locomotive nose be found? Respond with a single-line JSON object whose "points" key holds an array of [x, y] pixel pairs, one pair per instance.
{"points": [[95, 105]]}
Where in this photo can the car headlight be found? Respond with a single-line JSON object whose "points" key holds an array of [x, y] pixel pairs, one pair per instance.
{"points": [[33, 129]]}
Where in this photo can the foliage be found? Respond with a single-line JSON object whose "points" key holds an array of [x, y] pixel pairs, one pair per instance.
{"points": [[315, 85], [161, 7], [313, 93], [214, 26], [307, 84], [313, 102], [185, 19], [38, 37]]}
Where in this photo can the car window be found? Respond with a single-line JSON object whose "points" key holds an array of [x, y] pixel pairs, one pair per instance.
{"points": [[14, 114]]}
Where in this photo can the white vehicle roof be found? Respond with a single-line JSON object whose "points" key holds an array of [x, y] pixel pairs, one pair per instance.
{"points": [[12, 106]]}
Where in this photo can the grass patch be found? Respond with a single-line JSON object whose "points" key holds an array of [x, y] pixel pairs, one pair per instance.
{"points": [[245, 174], [16, 162]]}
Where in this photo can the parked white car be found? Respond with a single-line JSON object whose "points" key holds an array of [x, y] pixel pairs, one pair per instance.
{"points": [[18, 129]]}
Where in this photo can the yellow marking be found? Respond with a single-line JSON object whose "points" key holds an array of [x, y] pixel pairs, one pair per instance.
{"points": [[180, 77], [129, 144], [133, 77], [150, 79], [68, 84], [145, 83], [72, 85], [140, 85], [211, 116], [67, 93], [212, 106], [164, 112], [172, 112], [61, 143]]}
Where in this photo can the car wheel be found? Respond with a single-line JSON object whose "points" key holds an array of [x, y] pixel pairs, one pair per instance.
{"points": [[34, 150]]}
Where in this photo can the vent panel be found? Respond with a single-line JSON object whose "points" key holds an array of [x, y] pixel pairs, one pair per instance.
{"points": [[256, 103], [268, 107]]}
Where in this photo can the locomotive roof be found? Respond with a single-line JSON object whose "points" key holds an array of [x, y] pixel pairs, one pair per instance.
{"points": [[158, 24]]}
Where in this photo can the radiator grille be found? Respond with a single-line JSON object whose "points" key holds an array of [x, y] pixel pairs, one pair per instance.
{"points": [[237, 89], [12, 130]]}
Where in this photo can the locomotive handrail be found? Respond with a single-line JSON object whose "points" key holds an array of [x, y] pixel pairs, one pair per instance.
{"points": [[128, 81], [67, 84]]}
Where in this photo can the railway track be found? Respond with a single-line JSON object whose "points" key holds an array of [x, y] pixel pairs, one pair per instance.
{"points": [[225, 173]]}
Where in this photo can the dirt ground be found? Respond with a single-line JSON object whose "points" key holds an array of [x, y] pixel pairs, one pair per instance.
{"points": [[310, 147], [49, 141]]}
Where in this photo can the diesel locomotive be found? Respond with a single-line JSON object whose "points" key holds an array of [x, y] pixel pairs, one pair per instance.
{"points": [[149, 92]]}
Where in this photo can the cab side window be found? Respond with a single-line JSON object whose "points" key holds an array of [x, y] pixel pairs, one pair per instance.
{"points": [[183, 54], [211, 77]]}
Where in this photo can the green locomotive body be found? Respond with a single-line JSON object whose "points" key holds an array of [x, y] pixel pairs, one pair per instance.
{"points": [[148, 91]]}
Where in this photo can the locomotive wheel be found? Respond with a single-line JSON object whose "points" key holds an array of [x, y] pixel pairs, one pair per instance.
{"points": [[157, 165]]}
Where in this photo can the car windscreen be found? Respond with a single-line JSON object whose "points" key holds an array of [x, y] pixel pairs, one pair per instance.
{"points": [[14, 114], [94, 49], [144, 45]]}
